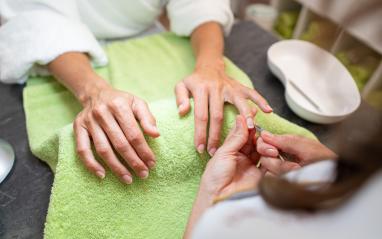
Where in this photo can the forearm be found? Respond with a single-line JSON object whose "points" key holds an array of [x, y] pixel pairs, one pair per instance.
{"points": [[74, 71], [208, 44], [203, 201]]}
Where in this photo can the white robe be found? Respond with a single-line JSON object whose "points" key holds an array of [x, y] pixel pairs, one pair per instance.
{"points": [[248, 218], [35, 32]]}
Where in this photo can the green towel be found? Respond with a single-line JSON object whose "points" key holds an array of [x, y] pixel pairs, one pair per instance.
{"points": [[82, 206]]}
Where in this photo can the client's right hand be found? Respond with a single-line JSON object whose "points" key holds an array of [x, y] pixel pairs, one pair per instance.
{"points": [[109, 119], [303, 150]]}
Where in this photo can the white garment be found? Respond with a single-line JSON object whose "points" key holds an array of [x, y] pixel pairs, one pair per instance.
{"points": [[249, 218], [35, 32]]}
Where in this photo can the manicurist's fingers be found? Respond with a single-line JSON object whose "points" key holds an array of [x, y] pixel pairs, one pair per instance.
{"points": [[84, 150], [182, 98], [258, 100], [266, 149], [276, 166], [134, 136], [216, 107], [145, 117], [201, 119], [105, 151]]}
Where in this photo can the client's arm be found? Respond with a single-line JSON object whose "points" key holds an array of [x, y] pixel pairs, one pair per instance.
{"points": [[211, 87], [108, 119]]}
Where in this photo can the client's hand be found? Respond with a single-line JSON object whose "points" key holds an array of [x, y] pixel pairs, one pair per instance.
{"points": [[109, 118], [303, 150], [211, 88], [233, 167]]}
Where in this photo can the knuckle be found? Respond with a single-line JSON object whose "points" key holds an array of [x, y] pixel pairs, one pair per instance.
{"points": [[82, 151], [135, 137], [98, 111], [201, 117], [117, 103], [102, 151], [218, 117], [134, 164], [121, 145]]}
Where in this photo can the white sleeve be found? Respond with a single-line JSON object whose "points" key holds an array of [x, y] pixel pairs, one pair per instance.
{"points": [[35, 32], [186, 15]]}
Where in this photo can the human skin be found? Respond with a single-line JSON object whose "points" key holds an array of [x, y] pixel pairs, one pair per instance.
{"points": [[233, 167], [303, 150], [110, 118]]}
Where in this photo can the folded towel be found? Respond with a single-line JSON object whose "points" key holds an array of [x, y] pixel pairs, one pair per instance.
{"points": [[81, 205]]}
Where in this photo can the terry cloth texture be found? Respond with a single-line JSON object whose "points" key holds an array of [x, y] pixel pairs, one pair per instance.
{"points": [[82, 206]]}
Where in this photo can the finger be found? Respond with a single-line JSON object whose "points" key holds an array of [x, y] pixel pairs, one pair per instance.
{"points": [[245, 110], [145, 117], [286, 143], [201, 120], [272, 165], [258, 100], [265, 149], [216, 121], [250, 145], [182, 98], [85, 153], [104, 150], [276, 166], [140, 150], [124, 148], [237, 137]]}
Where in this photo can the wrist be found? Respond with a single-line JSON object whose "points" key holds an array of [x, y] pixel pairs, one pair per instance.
{"points": [[215, 64], [92, 88]]}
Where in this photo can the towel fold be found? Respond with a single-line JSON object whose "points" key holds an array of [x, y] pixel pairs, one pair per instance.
{"points": [[82, 206]]}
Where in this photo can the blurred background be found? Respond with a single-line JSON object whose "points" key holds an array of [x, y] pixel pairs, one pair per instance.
{"points": [[349, 29]]}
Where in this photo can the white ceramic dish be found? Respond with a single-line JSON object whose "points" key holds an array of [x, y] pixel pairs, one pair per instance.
{"points": [[7, 159], [330, 89]]}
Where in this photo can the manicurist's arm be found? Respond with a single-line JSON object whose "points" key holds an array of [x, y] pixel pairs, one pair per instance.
{"points": [[211, 87], [108, 120]]}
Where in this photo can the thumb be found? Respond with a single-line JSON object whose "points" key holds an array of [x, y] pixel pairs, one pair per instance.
{"points": [[286, 143], [237, 137]]}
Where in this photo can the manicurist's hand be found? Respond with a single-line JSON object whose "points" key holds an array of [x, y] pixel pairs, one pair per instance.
{"points": [[231, 169], [211, 87], [303, 151], [110, 120]]}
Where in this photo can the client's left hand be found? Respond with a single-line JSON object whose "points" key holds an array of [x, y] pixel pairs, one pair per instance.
{"points": [[233, 167], [211, 88]]}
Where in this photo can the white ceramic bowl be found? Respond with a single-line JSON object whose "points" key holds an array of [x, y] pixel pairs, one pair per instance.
{"points": [[319, 75]]}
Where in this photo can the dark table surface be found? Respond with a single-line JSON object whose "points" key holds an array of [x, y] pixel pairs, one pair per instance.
{"points": [[24, 195]]}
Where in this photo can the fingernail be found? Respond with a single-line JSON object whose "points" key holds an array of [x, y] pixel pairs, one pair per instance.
{"points": [[268, 108], [271, 152], [200, 148], [180, 107], [250, 123], [100, 174], [212, 151], [127, 179], [155, 128], [151, 164], [144, 174]]}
